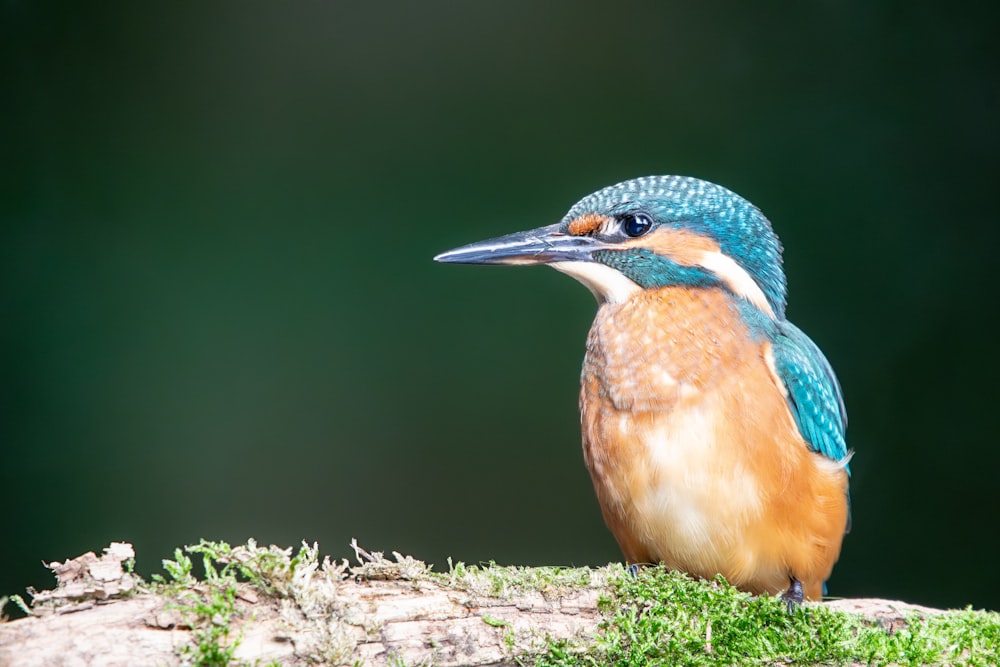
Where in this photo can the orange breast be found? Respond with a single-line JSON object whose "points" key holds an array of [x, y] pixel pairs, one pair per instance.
{"points": [[694, 454]]}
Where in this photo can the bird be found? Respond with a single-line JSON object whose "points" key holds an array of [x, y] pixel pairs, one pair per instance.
{"points": [[713, 428]]}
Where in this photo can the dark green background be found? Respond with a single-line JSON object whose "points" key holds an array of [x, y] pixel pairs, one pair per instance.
{"points": [[220, 317]]}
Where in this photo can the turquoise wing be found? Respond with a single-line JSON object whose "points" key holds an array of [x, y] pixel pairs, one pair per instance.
{"points": [[814, 394]]}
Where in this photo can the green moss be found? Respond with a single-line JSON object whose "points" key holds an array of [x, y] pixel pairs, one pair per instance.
{"points": [[208, 604], [208, 607], [494, 622], [15, 601], [499, 581], [666, 618]]}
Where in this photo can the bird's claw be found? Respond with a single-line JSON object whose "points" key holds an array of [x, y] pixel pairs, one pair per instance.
{"points": [[793, 596]]}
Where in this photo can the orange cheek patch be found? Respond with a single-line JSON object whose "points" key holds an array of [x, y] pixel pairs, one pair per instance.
{"points": [[680, 245], [586, 223]]}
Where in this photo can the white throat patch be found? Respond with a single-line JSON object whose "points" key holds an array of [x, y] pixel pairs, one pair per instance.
{"points": [[606, 284]]}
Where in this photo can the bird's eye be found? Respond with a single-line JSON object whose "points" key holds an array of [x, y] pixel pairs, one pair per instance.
{"points": [[636, 225]]}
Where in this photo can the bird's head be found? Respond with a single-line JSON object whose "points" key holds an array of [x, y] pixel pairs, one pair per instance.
{"points": [[648, 233]]}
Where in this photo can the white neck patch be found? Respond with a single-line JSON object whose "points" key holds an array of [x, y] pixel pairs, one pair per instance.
{"points": [[737, 279]]}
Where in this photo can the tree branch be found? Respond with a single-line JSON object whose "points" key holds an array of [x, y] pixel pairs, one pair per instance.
{"points": [[273, 606]]}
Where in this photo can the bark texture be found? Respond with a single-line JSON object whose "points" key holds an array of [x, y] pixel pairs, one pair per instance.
{"points": [[383, 612]]}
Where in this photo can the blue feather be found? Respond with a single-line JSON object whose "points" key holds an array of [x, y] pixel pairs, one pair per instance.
{"points": [[814, 394]]}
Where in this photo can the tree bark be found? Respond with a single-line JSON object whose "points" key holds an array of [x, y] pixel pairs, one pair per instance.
{"points": [[380, 613]]}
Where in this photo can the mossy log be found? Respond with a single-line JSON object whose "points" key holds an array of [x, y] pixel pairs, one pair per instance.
{"points": [[272, 606]]}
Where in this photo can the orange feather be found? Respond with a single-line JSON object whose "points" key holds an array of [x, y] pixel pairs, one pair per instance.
{"points": [[695, 456]]}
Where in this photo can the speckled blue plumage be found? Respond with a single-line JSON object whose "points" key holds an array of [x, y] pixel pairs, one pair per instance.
{"points": [[813, 391], [648, 270], [739, 228]]}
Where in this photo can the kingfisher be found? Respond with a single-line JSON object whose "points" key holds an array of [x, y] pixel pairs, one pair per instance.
{"points": [[713, 428]]}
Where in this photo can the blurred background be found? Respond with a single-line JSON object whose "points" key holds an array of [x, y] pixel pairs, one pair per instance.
{"points": [[219, 316]]}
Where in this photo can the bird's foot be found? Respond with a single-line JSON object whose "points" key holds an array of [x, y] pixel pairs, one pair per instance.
{"points": [[793, 596], [633, 570]]}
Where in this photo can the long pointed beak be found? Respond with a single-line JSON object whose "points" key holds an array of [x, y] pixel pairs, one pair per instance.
{"points": [[544, 245]]}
